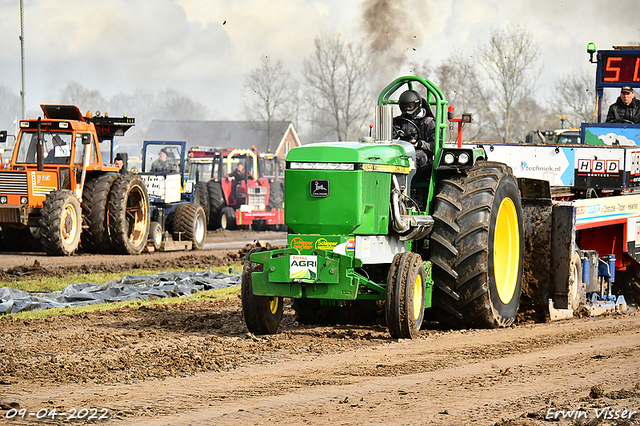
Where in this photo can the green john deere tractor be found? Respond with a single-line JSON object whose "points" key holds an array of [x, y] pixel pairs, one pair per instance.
{"points": [[369, 235]]}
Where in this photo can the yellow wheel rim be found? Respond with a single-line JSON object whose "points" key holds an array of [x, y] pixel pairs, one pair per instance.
{"points": [[273, 305], [417, 297], [137, 216], [506, 250]]}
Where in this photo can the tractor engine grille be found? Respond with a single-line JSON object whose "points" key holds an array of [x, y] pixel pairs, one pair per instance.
{"points": [[13, 183], [10, 215], [257, 196]]}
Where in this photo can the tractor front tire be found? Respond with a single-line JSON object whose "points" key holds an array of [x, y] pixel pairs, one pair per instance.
{"points": [[262, 314], [477, 248], [60, 223], [129, 214], [95, 201], [155, 235], [228, 219], [276, 195], [406, 292], [191, 221], [201, 198], [216, 203]]}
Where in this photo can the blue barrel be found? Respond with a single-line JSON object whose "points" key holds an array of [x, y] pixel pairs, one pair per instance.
{"points": [[608, 269], [586, 270]]}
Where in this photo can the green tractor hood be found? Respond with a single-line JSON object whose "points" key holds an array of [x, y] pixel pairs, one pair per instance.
{"points": [[342, 188]]}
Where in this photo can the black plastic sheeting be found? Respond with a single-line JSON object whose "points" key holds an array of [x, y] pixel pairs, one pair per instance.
{"points": [[131, 287]]}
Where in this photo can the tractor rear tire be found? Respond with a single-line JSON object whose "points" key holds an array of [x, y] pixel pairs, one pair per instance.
{"points": [[406, 292], [477, 248], [60, 223], [129, 214], [191, 221], [216, 203], [276, 195], [228, 219], [95, 201], [201, 198], [262, 314]]}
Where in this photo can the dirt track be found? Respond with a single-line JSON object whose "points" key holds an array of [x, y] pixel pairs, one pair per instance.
{"points": [[195, 364], [225, 248]]}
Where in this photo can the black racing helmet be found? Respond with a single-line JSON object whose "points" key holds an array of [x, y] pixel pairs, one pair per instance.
{"points": [[410, 102]]}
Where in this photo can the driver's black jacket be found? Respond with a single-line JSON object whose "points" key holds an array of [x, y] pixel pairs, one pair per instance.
{"points": [[423, 131], [619, 112]]}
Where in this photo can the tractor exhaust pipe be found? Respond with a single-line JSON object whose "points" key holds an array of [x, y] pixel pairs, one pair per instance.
{"points": [[40, 147], [384, 123], [409, 227], [399, 225]]}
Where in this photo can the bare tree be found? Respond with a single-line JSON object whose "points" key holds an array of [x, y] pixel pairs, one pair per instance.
{"points": [[271, 95], [336, 75], [141, 105], [529, 116], [460, 80], [574, 98], [85, 99], [174, 105], [495, 83], [509, 62]]}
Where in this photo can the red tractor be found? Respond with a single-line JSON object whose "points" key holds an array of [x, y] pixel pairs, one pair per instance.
{"points": [[257, 200]]}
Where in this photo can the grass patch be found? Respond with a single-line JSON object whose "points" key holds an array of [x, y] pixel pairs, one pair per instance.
{"points": [[47, 284], [223, 293]]}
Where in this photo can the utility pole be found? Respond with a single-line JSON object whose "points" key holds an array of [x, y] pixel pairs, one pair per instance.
{"points": [[22, 54]]}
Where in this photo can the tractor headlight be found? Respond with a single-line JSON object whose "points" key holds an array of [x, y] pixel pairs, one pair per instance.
{"points": [[449, 158], [3, 200], [463, 158], [24, 200]]}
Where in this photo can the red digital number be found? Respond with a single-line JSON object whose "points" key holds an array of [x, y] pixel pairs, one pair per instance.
{"points": [[635, 71], [609, 68]]}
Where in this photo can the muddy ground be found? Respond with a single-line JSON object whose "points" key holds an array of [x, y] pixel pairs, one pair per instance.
{"points": [[195, 364], [221, 248]]}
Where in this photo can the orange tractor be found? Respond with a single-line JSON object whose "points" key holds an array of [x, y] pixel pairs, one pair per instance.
{"points": [[57, 194]]}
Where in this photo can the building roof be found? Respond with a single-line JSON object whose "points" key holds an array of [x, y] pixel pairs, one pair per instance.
{"points": [[236, 134]]}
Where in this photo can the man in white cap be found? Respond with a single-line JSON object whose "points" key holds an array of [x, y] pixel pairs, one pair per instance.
{"points": [[626, 109]]}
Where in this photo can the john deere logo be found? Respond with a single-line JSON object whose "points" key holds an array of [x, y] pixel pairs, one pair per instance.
{"points": [[319, 188]]}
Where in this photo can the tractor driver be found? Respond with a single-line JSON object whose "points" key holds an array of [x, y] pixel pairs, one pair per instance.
{"points": [[626, 109], [236, 176], [162, 165], [59, 154], [416, 125], [240, 174]]}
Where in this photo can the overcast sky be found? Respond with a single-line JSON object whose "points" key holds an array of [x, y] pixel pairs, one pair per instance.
{"points": [[204, 48]]}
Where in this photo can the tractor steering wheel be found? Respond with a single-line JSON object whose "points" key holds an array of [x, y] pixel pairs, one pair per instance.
{"points": [[622, 120]]}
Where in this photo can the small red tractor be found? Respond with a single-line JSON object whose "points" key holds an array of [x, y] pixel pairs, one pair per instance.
{"points": [[257, 201]]}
